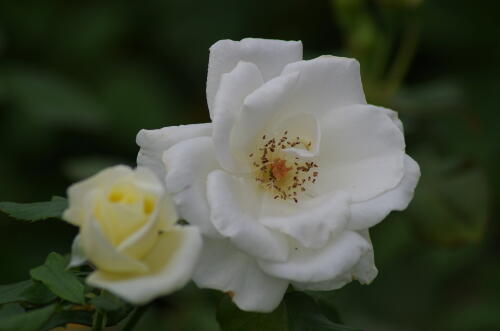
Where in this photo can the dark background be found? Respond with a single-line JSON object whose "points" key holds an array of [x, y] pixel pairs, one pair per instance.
{"points": [[78, 79]]}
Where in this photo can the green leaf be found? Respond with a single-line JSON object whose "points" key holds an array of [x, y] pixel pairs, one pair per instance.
{"points": [[116, 316], [25, 291], [297, 312], [35, 211], [63, 317], [59, 279], [19, 320], [11, 309], [85, 317], [108, 302]]}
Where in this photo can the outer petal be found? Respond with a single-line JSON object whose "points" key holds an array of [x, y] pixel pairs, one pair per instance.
{"points": [[312, 223], [222, 266], [234, 87], [188, 164], [101, 253], [364, 155], [270, 56], [154, 143], [234, 205], [392, 115], [326, 83], [78, 257], [364, 271], [304, 265], [170, 263], [366, 214], [146, 179]]}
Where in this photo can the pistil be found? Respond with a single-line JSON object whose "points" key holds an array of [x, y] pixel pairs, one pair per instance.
{"points": [[286, 176]]}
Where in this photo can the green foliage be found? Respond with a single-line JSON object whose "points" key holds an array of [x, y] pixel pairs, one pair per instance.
{"points": [[451, 203], [11, 309], [297, 312], [14, 318], [62, 317], [51, 100], [108, 302], [61, 281], [54, 281], [35, 211], [26, 291], [74, 78]]}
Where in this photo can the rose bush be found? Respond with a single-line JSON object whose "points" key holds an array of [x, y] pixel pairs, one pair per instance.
{"points": [[128, 232], [289, 176]]}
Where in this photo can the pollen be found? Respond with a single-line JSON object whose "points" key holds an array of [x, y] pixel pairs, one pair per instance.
{"points": [[284, 175]]}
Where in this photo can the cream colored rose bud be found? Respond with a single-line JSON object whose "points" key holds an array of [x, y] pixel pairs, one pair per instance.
{"points": [[128, 232]]}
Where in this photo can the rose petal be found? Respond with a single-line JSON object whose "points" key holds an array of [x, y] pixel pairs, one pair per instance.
{"points": [[311, 222], [366, 214], [260, 109], [101, 253], [234, 205], [305, 265], [170, 263], [362, 152], [140, 242], [326, 83], [154, 143], [364, 271], [80, 208], [270, 56], [78, 257], [392, 115], [163, 216], [234, 87], [188, 164], [222, 266], [306, 127]]}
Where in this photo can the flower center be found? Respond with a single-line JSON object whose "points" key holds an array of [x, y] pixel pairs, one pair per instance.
{"points": [[281, 172], [279, 169]]}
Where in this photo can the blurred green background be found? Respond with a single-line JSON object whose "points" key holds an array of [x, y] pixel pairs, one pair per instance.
{"points": [[78, 79]]}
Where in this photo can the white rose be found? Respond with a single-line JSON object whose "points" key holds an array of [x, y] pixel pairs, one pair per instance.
{"points": [[292, 172], [128, 232]]}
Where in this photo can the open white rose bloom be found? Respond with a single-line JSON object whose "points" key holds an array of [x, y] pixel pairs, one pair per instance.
{"points": [[289, 176], [128, 232]]}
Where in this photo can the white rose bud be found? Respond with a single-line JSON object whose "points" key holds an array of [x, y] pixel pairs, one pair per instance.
{"points": [[289, 176], [128, 232]]}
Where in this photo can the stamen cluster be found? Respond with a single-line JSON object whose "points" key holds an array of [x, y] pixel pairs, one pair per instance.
{"points": [[282, 173]]}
